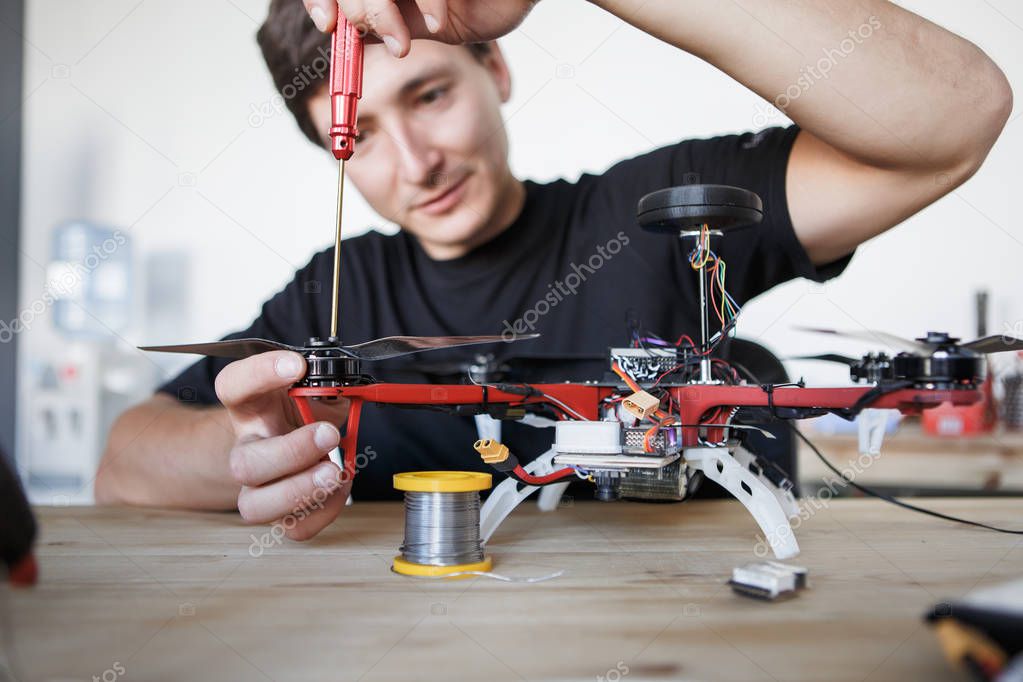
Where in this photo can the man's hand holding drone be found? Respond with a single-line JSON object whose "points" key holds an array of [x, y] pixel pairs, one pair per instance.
{"points": [[280, 464]]}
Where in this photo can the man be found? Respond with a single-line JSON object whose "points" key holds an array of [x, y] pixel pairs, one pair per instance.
{"points": [[906, 115]]}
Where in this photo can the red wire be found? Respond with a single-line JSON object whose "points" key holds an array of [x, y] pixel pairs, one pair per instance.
{"points": [[542, 480]]}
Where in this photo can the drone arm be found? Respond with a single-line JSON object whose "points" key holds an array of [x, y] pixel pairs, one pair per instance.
{"points": [[350, 437]]}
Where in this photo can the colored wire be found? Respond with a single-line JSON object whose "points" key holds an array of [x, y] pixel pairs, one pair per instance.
{"points": [[724, 305], [629, 381], [564, 407], [682, 338], [555, 477]]}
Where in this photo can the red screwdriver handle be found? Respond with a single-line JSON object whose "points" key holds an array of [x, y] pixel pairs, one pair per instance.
{"points": [[345, 87]]}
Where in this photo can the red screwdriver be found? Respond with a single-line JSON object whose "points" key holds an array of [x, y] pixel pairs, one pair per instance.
{"points": [[345, 91]]}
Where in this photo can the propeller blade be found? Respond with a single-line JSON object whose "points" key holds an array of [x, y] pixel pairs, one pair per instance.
{"points": [[891, 340], [994, 344], [236, 348], [828, 357], [395, 346]]}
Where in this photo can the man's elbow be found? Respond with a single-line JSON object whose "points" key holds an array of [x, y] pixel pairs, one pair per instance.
{"points": [[107, 488], [984, 121], [114, 476]]}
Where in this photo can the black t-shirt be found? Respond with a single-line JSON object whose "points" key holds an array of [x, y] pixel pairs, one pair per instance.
{"points": [[572, 267]]}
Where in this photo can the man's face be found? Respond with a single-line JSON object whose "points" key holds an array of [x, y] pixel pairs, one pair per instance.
{"points": [[432, 154]]}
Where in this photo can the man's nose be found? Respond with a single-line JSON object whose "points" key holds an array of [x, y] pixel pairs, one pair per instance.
{"points": [[417, 158]]}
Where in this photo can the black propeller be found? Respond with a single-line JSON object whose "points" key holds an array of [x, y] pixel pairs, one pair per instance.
{"points": [[378, 349], [828, 357]]}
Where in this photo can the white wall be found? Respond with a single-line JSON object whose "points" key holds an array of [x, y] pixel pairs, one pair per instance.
{"points": [[137, 116]]}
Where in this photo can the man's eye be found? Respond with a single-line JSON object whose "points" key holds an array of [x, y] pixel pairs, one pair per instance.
{"points": [[432, 95], [363, 135]]}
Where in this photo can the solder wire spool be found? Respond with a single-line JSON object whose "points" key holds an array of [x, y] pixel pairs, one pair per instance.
{"points": [[442, 524]]}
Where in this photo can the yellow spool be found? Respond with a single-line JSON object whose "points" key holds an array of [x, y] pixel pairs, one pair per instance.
{"points": [[409, 568], [441, 482]]}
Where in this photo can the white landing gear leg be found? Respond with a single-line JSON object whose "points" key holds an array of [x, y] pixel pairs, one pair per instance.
{"points": [[771, 508], [506, 496], [784, 495]]}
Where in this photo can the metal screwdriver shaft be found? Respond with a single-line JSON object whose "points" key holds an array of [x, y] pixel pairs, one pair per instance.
{"points": [[345, 91], [335, 298]]}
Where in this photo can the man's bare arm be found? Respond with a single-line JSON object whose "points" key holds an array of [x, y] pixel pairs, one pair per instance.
{"points": [[164, 453], [905, 113]]}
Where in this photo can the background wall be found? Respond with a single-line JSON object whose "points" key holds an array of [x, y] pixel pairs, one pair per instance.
{"points": [[155, 118], [12, 15]]}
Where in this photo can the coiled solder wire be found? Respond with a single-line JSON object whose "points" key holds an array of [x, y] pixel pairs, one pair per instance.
{"points": [[442, 529]]}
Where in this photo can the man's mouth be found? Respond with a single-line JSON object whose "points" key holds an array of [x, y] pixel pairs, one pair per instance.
{"points": [[446, 200]]}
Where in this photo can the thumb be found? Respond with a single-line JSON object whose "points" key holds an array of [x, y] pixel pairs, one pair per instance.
{"points": [[246, 382]]}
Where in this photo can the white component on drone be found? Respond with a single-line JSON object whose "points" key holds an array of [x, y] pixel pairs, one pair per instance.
{"points": [[588, 438], [771, 508]]}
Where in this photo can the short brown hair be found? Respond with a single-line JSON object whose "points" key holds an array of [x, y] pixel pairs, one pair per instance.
{"points": [[298, 56]]}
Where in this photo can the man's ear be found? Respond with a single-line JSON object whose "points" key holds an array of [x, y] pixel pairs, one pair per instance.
{"points": [[497, 67]]}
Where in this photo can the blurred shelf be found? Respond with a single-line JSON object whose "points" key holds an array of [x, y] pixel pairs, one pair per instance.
{"points": [[914, 462]]}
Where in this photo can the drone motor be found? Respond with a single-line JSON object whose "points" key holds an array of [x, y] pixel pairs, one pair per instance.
{"points": [[941, 364], [326, 365]]}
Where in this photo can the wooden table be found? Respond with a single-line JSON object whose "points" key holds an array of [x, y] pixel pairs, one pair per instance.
{"points": [[149, 594]]}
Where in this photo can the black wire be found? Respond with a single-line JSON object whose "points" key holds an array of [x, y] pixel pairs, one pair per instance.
{"points": [[744, 370], [887, 498]]}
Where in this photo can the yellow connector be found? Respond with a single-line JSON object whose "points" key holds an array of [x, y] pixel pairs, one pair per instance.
{"points": [[641, 404], [492, 451]]}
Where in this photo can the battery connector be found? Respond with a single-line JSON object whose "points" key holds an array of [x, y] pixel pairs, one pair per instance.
{"points": [[641, 404], [496, 454]]}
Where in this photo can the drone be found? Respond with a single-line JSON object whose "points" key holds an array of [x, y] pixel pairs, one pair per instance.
{"points": [[663, 417]]}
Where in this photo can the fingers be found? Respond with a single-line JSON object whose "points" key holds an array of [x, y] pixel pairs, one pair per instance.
{"points": [[384, 18], [323, 13], [258, 461], [435, 14], [294, 496], [320, 518], [244, 384]]}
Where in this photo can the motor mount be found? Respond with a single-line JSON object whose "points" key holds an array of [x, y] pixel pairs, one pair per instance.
{"points": [[689, 207]]}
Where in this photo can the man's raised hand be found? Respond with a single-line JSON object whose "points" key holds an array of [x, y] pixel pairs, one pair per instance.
{"points": [[397, 22]]}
